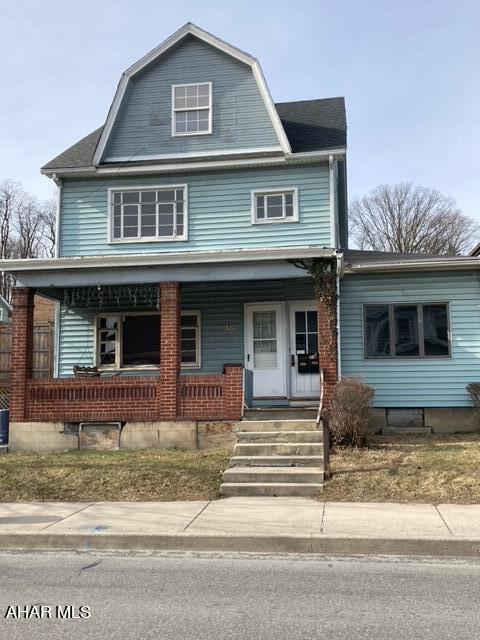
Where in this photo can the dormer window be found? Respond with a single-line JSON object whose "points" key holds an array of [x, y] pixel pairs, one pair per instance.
{"points": [[191, 109]]}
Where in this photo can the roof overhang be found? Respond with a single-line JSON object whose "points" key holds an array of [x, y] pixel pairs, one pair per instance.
{"points": [[200, 267], [308, 157], [191, 29], [425, 264], [163, 259]]}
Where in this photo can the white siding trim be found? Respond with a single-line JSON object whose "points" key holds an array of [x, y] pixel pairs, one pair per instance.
{"points": [[191, 29]]}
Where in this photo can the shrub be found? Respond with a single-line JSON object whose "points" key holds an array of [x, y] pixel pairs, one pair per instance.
{"points": [[474, 391], [349, 412]]}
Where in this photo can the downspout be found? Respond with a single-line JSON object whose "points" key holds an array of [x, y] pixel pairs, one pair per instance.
{"points": [[339, 352], [333, 225], [58, 182], [56, 338]]}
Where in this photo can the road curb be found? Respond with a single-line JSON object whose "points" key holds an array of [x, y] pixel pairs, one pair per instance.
{"points": [[459, 547]]}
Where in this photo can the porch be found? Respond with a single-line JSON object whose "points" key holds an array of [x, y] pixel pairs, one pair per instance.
{"points": [[171, 351]]}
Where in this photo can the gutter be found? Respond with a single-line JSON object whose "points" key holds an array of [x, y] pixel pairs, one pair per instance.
{"points": [[414, 265], [199, 165], [177, 258]]}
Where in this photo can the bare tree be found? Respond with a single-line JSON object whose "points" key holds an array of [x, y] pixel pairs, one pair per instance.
{"points": [[410, 219], [27, 228], [48, 213], [10, 191]]}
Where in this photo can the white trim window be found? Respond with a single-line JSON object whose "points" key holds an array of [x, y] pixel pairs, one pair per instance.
{"points": [[191, 109], [132, 340], [279, 205], [148, 214]]}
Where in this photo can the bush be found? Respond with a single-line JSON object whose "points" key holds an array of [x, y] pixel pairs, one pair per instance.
{"points": [[349, 413], [474, 391]]}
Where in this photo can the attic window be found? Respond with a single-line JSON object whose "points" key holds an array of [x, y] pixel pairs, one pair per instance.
{"points": [[191, 109]]}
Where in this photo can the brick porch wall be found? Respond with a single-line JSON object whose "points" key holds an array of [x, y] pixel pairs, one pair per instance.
{"points": [[200, 397], [22, 350]]}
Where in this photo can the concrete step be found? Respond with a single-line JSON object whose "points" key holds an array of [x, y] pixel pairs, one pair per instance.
{"points": [[231, 489], [281, 414], [3, 448], [270, 437], [395, 431], [278, 448], [276, 461], [277, 425], [274, 474]]}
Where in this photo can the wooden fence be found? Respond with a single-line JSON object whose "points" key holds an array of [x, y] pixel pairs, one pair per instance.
{"points": [[42, 359]]}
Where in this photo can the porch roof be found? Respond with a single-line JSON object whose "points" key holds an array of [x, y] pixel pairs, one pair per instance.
{"points": [[187, 266]]}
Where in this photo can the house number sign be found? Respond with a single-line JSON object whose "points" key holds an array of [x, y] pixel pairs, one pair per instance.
{"points": [[228, 328]]}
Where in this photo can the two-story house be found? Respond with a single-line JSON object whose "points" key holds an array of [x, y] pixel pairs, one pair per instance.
{"points": [[190, 229]]}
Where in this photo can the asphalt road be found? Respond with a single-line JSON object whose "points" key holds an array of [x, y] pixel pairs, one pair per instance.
{"points": [[231, 596]]}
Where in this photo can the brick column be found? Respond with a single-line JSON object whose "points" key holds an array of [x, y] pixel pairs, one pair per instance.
{"points": [[169, 349], [233, 391], [327, 348], [21, 354]]}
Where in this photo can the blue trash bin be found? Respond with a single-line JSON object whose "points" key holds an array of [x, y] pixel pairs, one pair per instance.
{"points": [[4, 415]]}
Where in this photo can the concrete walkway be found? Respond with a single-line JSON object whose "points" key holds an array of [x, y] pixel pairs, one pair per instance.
{"points": [[245, 524]]}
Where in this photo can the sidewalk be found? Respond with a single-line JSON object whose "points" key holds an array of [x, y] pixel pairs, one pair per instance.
{"points": [[245, 524]]}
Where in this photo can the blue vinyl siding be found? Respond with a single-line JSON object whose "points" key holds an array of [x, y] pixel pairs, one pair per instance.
{"points": [[222, 316], [410, 382], [219, 211], [144, 123]]}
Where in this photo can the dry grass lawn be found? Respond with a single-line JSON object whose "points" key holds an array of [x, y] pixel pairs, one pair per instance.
{"points": [[393, 469], [409, 468], [150, 474]]}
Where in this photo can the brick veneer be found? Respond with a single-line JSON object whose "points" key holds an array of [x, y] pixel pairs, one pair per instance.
{"points": [[169, 349], [327, 348], [22, 347]]}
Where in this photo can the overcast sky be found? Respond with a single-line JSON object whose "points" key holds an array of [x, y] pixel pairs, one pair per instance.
{"points": [[409, 70]]}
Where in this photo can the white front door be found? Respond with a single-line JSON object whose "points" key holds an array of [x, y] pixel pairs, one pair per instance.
{"points": [[265, 348], [304, 363]]}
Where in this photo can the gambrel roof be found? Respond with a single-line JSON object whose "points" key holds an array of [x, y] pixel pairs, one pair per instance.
{"points": [[311, 125]]}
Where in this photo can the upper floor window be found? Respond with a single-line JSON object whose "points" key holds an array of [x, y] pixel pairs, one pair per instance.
{"points": [[191, 109], [275, 206], [406, 330], [148, 214]]}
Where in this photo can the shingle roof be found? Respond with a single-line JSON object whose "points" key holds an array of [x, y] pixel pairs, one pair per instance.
{"points": [[357, 256], [310, 125], [314, 125]]}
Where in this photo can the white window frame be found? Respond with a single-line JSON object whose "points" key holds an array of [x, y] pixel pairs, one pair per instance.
{"points": [[273, 192], [175, 133], [119, 340], [139, 238]]}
